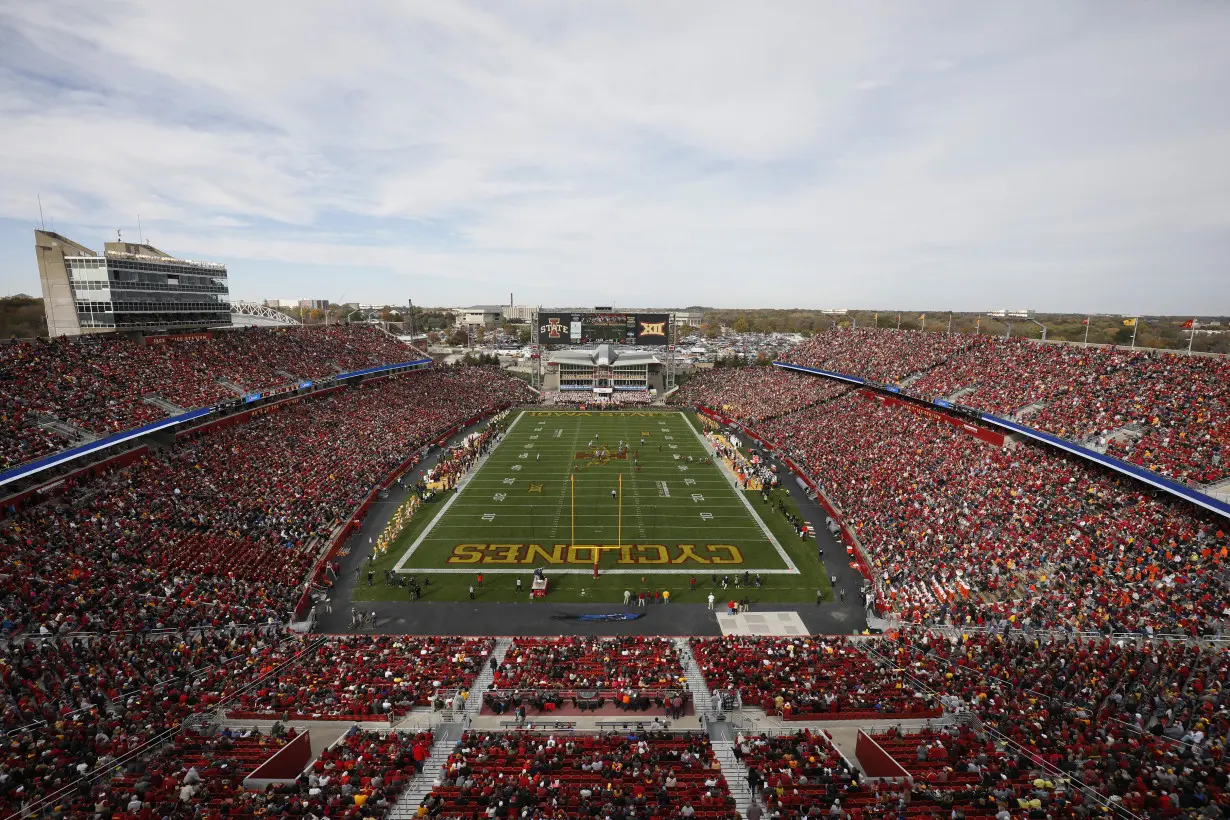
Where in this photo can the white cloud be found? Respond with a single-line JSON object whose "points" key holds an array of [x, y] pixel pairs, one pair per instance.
{"points": [[933, 155]]}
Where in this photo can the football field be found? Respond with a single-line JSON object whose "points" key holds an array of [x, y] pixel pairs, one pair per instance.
{"points": [[633, 492]]}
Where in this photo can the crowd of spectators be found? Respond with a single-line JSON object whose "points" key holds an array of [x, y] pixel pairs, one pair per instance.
{"points": [[22, 439], [753, 394], [1176, 406], [222, 527], [618, 776], [1065, 725], [362, 775], [809, 678], [587, 663], [196, 773], [75, 707], [362, 678], [880, 355], [576, 398], [963, 531], [792, 773], [99, 384], [1050, 726]]}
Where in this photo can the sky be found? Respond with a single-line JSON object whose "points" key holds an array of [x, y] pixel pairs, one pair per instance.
{"points": [[1060, 156]]}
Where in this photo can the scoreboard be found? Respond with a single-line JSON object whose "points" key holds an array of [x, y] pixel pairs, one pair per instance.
{"points": [[556, 328]]}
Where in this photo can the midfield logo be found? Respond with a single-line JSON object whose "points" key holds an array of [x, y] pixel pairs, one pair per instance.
{"points": [[535, 488]]}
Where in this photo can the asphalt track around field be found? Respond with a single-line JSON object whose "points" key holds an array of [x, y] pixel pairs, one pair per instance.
{"points": [[543, 617]]}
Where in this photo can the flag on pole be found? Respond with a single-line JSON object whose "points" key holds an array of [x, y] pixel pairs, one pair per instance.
{"points": [[1129, 323], [1085, 321], [922, 316], [1189, 324]]}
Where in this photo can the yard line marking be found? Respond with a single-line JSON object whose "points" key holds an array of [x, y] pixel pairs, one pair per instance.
{"points": [[734, 484], [463, 484], [563, 490]]}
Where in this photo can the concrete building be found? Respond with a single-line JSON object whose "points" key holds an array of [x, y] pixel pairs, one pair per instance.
{"points": [[479, 315], [603, 370], [523, 312], [129, 287]]}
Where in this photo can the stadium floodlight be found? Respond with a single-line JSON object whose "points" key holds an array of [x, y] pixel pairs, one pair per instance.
{"points": [[1039, 324]]}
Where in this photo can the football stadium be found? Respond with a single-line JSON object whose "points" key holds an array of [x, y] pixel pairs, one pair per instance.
{"points": [[420, 558]]}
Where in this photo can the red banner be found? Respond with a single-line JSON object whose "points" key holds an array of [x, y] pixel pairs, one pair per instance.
{"points": [[965, 426], [179, 337]]}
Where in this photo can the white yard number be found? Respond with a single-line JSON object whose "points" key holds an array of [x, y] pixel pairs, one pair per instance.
{"points": [[669, 438], [673, 446], [689, 481], [498, 497], [488, 516], [706, 516], [509, 480], [683, 468], [529, 446], [524, 455], [516, 467], [533, 438], [697, 497]]}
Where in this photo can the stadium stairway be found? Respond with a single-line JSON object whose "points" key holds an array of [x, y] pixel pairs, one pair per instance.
{"points": [[702, 698], [734, 771], [1027, 411], [474, 701], [406, 807], [164, 405], [955, 398], [234, 388], [60, 427], [446, 736], [1100, 441]]}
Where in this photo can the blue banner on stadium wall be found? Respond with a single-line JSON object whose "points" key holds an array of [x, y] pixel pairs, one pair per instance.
{"points": [[9, 476], [38, 465], [1148, 476], [381, 369], [839, 376]]}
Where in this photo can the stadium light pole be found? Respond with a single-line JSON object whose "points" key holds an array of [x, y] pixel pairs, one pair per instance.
{"points": [[1039, 324]]}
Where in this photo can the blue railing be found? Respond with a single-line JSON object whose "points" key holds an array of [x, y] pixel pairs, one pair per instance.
{"points": [[65, 456], [1149, 477], [46, 462]]}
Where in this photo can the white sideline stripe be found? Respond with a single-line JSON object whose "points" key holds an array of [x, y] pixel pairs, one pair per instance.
{"points": [[642, 569], [462, 484], [552, 569], [721, 467]]}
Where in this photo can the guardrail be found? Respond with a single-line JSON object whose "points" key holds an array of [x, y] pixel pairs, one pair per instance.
{"points": [[1149, 477], [73, 453]]}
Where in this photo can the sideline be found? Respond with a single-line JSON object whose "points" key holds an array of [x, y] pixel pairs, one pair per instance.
{"points": [[724, 470], [462, 483]]}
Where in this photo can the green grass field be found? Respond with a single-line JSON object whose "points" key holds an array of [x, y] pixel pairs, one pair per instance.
{"points": [[674, 516]]}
